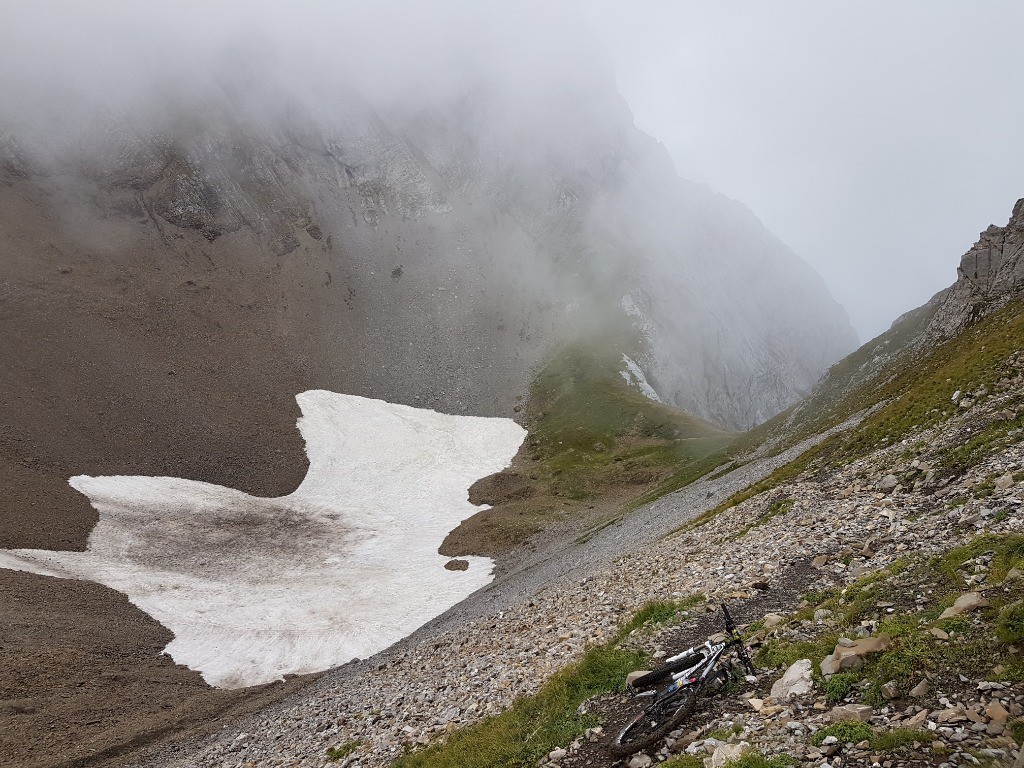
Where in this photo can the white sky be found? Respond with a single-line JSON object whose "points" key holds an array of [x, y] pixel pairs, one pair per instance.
{"points": [[876, 138]]}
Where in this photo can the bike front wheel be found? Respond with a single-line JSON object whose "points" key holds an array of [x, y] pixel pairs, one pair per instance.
{"points": [[654, 723]]}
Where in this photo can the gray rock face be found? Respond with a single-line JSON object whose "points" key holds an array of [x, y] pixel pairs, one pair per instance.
{"points": [[992, 270]]}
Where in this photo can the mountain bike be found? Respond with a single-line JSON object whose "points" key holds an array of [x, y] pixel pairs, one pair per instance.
{"points": [[689, 674]]}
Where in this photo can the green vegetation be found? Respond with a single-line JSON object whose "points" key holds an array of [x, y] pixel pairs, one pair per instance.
{"points": [[534, 725], [1010, 626], [890, 741], [724, 734], [978, 642], [884, 741], [342, 750], [1016, 728], [846, 733], [590, 430], [684, 761], [919, 390], [839, 686], [757, 760]]}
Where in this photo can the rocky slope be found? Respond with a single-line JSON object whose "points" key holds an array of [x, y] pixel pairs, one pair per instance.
{"points": [[829, 553], [880, 571], [989, 275]]}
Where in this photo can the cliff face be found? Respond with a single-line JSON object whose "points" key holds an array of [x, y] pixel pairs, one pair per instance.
{"points": [[168, 289], [990, 272]]}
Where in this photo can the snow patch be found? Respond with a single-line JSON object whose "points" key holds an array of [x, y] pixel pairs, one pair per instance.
{"points": [[256, 588], [634, 376]]}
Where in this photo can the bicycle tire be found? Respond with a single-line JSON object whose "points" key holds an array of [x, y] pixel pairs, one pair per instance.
{"points": [[647, 730], [664, 673]]}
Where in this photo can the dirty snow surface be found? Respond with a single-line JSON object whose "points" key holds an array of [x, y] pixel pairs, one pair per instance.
{"points": [[257, 588]]}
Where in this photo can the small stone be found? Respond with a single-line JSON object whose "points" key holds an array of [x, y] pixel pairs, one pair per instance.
{"points": [[457, 565], [557, 754], [919, 690], [852, 713], [888, 483], [969, 601], [938, 633], [639, 761], [890, 690], [917, 721], [772, 620]]}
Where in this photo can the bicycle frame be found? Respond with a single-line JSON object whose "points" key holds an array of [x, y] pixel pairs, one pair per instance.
{"points": [[711, 652]]}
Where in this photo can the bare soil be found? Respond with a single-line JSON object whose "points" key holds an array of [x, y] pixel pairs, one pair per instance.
{"points": [[83, 681]]}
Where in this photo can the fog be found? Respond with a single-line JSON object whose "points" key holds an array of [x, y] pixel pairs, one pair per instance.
{"points": [[875, 139]]}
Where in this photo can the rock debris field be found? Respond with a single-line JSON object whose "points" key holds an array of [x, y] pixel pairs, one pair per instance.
{"points": [[505, 641]]}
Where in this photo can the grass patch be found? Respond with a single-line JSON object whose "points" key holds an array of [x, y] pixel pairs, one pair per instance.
{"points": [[1016, 728], [757, 760], [838, 686], [1010, 625], [846, 733], [684, 761], [776, 654], [897, 738]]}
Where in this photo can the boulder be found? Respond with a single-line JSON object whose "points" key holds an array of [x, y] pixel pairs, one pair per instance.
{"points": [[773, 620], [794, 683], [639, 761], [996, 712], [971, 601]]}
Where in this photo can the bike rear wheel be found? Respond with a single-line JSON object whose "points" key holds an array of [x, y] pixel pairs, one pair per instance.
{"points": [[654, 724]]}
